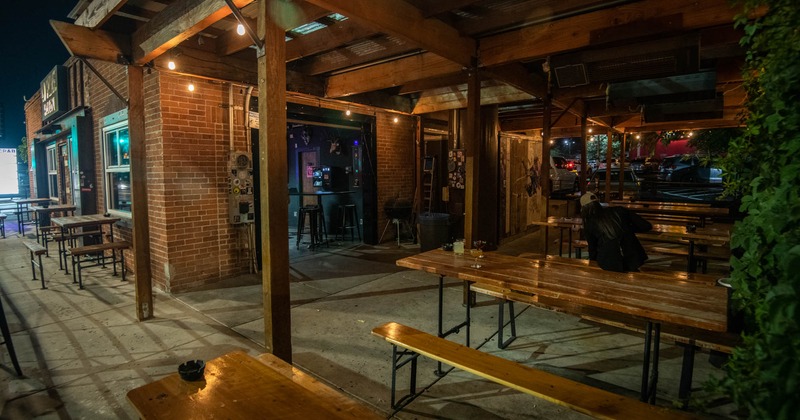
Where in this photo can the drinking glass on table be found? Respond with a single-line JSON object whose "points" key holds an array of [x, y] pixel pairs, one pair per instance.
{"points": [[477, 252]]}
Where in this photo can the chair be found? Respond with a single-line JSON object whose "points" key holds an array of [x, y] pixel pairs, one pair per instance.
{"points": [[316, 226], [349, 220]]}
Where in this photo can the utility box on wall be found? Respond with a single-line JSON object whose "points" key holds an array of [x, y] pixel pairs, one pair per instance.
{"points": [[240, 189]]}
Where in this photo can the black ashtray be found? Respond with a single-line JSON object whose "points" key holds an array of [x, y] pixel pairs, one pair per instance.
{"points": [[447, 247], [192, 370]]}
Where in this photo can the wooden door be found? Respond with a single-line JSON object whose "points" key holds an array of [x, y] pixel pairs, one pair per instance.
{"points": [[307, 160]]}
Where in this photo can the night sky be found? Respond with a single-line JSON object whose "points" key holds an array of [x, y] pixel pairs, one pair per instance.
{"points": [[29, 49]]}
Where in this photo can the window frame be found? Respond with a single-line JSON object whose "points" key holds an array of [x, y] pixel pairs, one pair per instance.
{"points": [[111, 168], [51, 158]]}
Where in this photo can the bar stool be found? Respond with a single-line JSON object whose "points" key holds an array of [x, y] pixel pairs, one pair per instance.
{"points": [[316, 226], [7, 339], [349, 220]]}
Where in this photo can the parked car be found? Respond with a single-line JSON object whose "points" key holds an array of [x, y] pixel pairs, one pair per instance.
{"points": [[562, 179], [688, 168], [630, 185]]}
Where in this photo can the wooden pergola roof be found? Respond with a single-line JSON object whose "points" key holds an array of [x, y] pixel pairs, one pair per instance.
{"points": [[627, 65], [632, 65]]}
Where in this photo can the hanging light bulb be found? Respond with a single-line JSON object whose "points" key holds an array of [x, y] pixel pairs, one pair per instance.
{"points": [[347, 113], [240, 29], [590, 129], [191, 87], [396, 120], [171, 64]]}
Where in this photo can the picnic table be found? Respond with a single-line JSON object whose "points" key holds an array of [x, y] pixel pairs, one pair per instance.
{"points": [[570, 224], [679, 211], [23, 212], [653, 298], [701, 237], [239, 386]]}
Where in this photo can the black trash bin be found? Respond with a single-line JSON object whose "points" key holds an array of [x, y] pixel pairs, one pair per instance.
{"points": [[434, 230]]}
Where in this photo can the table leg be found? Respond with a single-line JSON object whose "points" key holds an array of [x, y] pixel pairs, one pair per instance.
{"points": [[691, 264], [652, 341], [453, 330]]}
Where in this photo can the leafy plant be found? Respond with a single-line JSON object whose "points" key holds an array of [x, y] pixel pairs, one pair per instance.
{"points": [[763, 375], [22, 150]]}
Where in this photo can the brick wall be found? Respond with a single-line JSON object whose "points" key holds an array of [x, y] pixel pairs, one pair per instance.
{"points": [[396, 163], [33, 122]]}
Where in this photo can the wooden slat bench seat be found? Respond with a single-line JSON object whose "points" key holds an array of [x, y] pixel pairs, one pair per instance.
{"points": [[36, 252], [64, 241], [565, 392], [100, 257]]}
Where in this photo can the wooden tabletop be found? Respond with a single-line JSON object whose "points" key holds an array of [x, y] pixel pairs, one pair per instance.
{"points": [[71, 222], [561, 222], [54, 208], [658, 298], [673, 209], [705, 234], [238, 386], [32, 200], [659, 203]]}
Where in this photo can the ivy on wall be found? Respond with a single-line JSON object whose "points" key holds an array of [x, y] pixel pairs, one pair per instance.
{"points": [[763, 165]]}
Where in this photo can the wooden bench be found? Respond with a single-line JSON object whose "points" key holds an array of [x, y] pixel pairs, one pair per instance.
{"points": [[98, 251], [36, 252], [65, 241], [565, 392], [700, 257]]}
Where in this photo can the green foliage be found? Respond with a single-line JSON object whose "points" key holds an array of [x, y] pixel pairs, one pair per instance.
{"points": [[764, 373], [22, 150], [596, 147]]}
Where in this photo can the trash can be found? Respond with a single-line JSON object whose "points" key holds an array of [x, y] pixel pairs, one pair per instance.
{"points": [[434, 230]]}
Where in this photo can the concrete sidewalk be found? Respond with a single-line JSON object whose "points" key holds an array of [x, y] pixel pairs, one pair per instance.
{"points": [[82, 350]]}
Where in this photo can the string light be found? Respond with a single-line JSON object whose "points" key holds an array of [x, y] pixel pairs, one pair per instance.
{"points": [[396, 120], [171, 65], [240, 29], [191, 87], [348, 113]]}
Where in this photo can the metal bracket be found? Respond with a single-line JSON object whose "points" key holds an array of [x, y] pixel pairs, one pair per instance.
{"points": [[103, 79], [250, 32]]}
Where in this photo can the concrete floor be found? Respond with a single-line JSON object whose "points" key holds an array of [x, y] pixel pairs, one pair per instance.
{"points": [[81, 351]]}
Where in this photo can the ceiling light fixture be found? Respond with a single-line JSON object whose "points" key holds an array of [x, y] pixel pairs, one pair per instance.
{"points": [[347, 112], [191, 87], [240, 29], [396, 120]]}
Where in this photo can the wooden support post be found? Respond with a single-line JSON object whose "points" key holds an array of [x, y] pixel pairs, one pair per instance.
{"points": [[472, 146], [545, 170], [609, 149], [622, 164], [139, 207], [584, 160], [273, 183]]}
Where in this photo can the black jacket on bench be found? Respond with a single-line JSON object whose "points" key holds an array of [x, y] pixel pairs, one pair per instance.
{"points": [[623, 252]]}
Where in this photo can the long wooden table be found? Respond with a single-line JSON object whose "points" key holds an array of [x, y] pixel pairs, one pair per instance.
{"points": [[23, 212], [707, 236], [653, 298], [238, 386], [702, 213], [44, 214], [69, 224], [572, 224]]}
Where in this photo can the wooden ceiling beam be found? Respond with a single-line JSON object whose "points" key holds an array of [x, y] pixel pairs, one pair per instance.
{"points": [[342, 33], [404, 20], [81, 41], [98, 12], [439, 82], [300, 14], [350, 56], [387, 75], [176, 23], [456, 98], [581, 31], [435, 8]]}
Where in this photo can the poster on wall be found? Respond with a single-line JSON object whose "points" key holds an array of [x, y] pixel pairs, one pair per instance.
{"points": [[456, 168], [8, 172]]}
